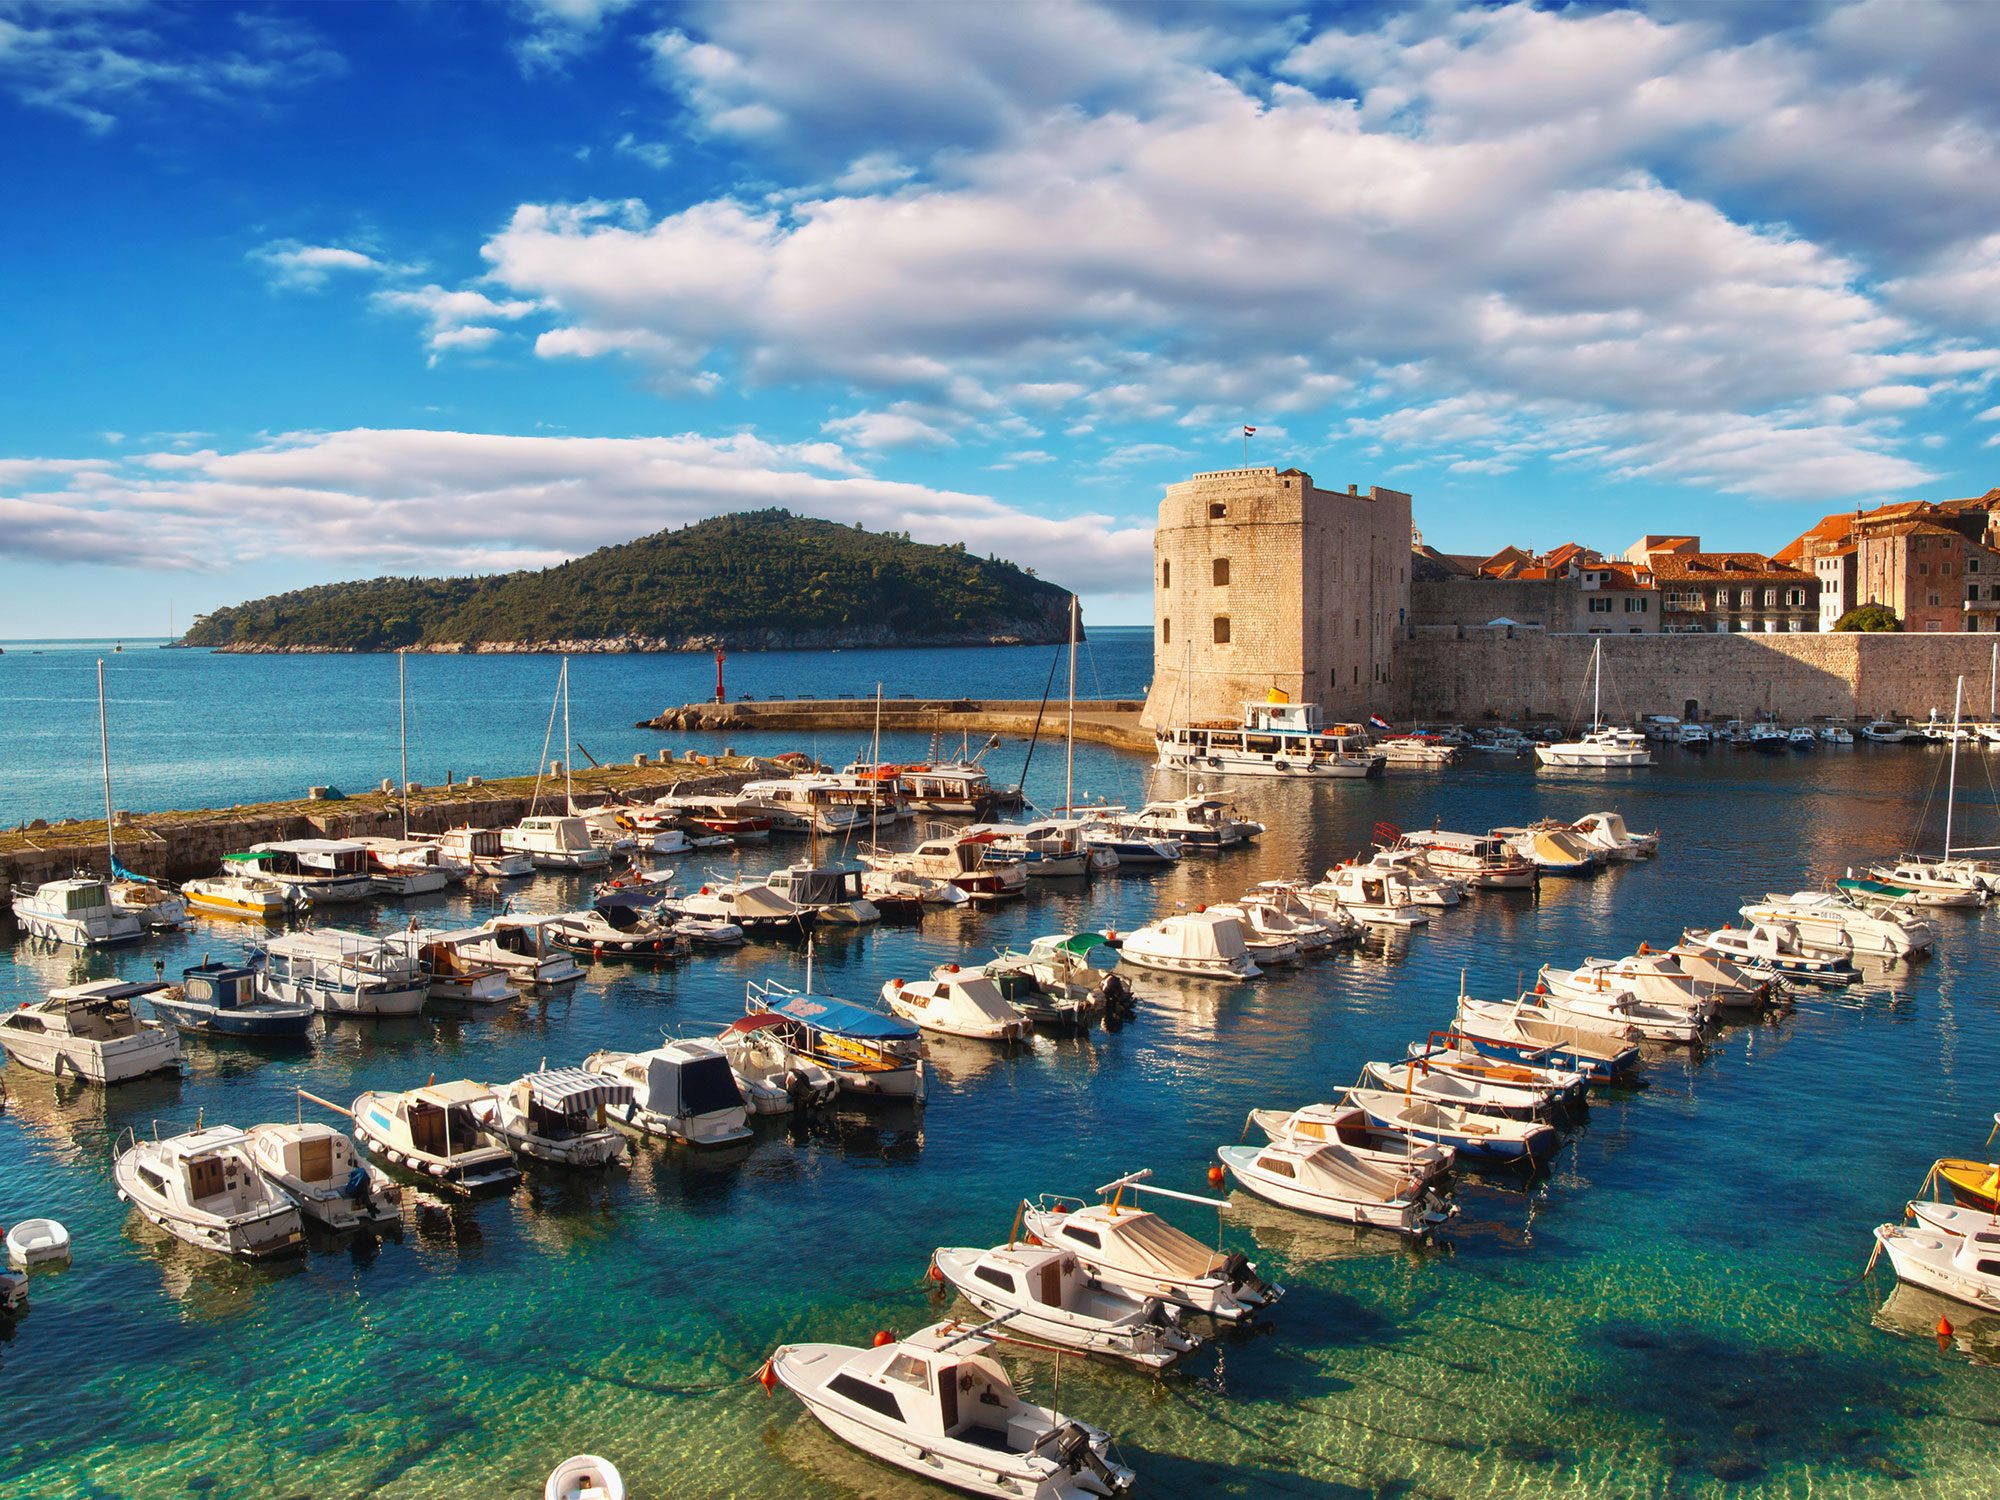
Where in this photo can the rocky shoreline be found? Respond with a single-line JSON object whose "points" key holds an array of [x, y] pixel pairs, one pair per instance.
{"points": [[1019, 633]]}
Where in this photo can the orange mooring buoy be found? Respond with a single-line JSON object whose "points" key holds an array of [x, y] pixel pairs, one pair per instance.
{"points": [[767, 1377], [1944, 1329], [1215, 1176], [883, 1337], [936, 1274]]}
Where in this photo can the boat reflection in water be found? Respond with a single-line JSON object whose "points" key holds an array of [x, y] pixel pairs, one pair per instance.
{"points": [[1911, 1312]]}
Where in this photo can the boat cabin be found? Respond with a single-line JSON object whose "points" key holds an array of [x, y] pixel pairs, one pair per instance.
{"points": [[553, 835], [560, 1103], [818, 885], [690, 1078], [224, 986], [209, 1170], [938, 1383], [438, 1118], [336, 859], [100, 1011], [473, 843]]}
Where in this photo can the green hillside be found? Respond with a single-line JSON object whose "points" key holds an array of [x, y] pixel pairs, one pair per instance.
{"points": [[765, 579]]}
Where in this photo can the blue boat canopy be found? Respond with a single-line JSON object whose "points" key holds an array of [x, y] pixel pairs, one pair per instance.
{"points": [[824, 1013]]}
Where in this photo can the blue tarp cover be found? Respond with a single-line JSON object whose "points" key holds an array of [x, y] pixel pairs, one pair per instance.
{"points": [[838, 1016]]}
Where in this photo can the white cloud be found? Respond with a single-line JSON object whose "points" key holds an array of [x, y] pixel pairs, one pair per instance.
{"points": [[655, 154], [367, 500], [559, 30], [289, 263], [1991, 414], [877, 430], [454, 319]]}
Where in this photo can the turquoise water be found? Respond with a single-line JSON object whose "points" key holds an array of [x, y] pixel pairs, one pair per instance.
{"points": [[1671, 1310]]}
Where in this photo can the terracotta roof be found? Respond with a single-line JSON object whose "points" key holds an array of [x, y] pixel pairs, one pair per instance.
{"points": [[1912, 528], [1723, 567], [1834, 528], [1846, 549]]}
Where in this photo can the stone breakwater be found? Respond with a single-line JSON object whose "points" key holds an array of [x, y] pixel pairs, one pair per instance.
{"points": [[179, 845], [1007, 633], [1109, 721]]}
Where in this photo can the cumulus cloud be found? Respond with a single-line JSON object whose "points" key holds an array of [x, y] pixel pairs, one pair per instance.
{"points": [[292, 264], [417, 500], [98, 63], [460, 319]]}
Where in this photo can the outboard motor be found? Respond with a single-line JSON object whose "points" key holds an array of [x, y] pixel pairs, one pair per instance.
{"points": [[360, 1187], [1118, 996]]}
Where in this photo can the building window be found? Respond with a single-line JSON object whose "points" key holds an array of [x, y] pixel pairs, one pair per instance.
{"points": [[1930, 624], [1166, 631], [1798, 625], [1217, 510], [1924, 568], [1972, 565], [1795, 596], [1600, 606], [1770, 598], [1972, 592], [1944, 569], [1222, 572], [1222, 630], [1636, 606], [1166, 575], [1722, 598]]}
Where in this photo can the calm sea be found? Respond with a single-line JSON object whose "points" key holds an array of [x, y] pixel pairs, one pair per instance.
{"points": [[1673, 1309]]}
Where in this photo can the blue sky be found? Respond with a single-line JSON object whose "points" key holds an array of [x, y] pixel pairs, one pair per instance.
{"points": [[303, 293]]}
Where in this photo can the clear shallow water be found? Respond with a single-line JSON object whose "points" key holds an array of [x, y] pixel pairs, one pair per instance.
{"points": [[1671, 1311]]}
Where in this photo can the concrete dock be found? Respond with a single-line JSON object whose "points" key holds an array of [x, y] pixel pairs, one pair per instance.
{"points": [[1103, 721]]}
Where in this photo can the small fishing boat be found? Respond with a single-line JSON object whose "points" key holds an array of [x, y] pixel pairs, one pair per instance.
{"points": [[936, 1405], [1802, 738], [319, 1169], [1836, 734], [1552, 851], [1519, 1031], [157, 908], [1200, 944], [750, 905], [484, 852], [327, 872], [1774, 948], [681, 1091], [1885, 732], [1951, 1250], [560, 842], [964, 860], [1370, 894], [1346, 1126], [1271, 916], [956, 1004], [772, 1079], [432, 1133], [1976, 1184], [37, 1242], [1197, 822], [560, 1117], [1446, 1052], [1325, 1179], [342, 974], [1473, 1134], [240, 893], [1426, 886], [409, 867], [832, 893], [897, 888], [1933, 882], [1482, 861], [1658, 979], [1267, 934], [1592, 996], [1830, 918], [1133, 851], [204, 1188], [1414, 1078], [709, 931], [1046, 1295], [1607, 831], [585, 1477], [1135, 1251], [521, 947], [90, 1032], [618, 932], [77, 911], [1059, 1004], [223, 1000], [869, 1054], [455, 975], [1296, 900]]}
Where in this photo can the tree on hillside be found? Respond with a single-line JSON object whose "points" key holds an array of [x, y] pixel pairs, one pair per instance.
{"points": [[1875, 618]]}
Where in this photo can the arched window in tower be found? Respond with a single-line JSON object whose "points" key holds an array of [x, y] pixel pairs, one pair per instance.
{"points": [[1222, 572], [1167, 574], [1218, 510], [1222, 630]]}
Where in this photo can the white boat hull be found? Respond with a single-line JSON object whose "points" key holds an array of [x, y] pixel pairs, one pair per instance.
{"points": [[340, 1000], [117, 1061], [1399, 1216], [106, 930]]}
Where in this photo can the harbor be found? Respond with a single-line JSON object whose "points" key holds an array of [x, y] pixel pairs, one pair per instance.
{"points": [[1564, 1327]]}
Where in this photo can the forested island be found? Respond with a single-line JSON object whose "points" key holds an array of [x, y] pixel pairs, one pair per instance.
{"points": [[763, 580]]}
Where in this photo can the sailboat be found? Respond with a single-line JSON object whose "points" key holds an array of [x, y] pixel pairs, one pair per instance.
{"points": [[1952, 879], [1600, 745], [406, 866], [556, 843]]}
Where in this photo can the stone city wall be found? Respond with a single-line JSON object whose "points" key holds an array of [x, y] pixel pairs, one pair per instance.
{"points": [[1443, 675]]}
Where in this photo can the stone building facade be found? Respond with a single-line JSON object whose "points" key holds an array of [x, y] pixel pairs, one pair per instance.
{"points": [[1263, 581]]}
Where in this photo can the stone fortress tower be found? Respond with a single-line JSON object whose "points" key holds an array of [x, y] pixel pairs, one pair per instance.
{"points": [[1262, 581]]}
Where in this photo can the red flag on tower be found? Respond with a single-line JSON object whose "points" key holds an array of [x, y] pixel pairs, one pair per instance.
{"points": [[1249, 431]]}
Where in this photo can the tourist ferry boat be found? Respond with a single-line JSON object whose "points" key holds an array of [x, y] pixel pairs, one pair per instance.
{"points": [[947, 788], [78, 911], [1272, 739]]}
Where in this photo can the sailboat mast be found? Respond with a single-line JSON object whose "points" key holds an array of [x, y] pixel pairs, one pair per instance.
{"points": [[875, 778], [1993, 683], [568, 799], [403, 733], [1597, 686], [1069, 754], [1951, 786], [104, 754]]}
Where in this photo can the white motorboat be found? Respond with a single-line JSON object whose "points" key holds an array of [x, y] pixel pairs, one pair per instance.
{"points": [[1273, 935], [90, 1032], [772, 1079], [235, 892], [964, 860], [157, 908], [327, 872], [896, 885], [957, 1004], [1600, 747], [870, 1055], [484, 852], [750, 905], [1592, 997], [1774, 948], [343, 974], [1059, 982], [1734, 986], [1048, 849], [1346, 1126], [1326, 1180], [1274, 910], [1481, 861], [521, 947], [1694, 737], [937, 1405], [1271, 739], [319, 1169], [804, 804], [1448, 1053], [683, 1091], [707, 930], [1607, 831], [1415, 1078], [618, 931], [555, 842], [204, 1188], [1885, 732], [1193, 822], [585, 1477], [1046, 1295], [1200, 944], [1552, 851], [1296, 900], [1658, 979], [433, 1133], [77, 911], [1932, 883], [736, 819], [1830, 917], [1951, 1250], [1419, 750], [558, 1116], [1135, 1251], [1102, 828], [1836, 734], [1529, 1033], [455, 973], [1426, 885], [1473, 1134], [1371, 894], [37, 1242], [830, 893], [409, 867]]}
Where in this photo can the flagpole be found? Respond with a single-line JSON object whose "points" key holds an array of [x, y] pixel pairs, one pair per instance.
{"points": [[1246, 447]]}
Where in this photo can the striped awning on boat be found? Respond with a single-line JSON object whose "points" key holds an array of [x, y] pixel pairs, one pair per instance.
{"points": [[571, 1090]]}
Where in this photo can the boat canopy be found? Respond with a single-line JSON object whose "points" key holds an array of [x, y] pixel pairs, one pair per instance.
{"points": [[571, 1091], [824, 1013], [100, 992], [1092, 947], [680, 1081], [445, 1095], [1151, 1240]]}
